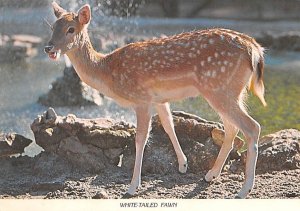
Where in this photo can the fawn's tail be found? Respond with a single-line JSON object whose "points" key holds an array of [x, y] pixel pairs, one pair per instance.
{"points": [[256, 83]]}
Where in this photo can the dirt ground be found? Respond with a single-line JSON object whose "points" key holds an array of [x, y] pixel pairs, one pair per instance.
{"points": [[22, 182]]}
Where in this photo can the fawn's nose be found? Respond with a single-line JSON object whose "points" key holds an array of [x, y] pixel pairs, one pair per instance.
{"points": [[48, 48]]}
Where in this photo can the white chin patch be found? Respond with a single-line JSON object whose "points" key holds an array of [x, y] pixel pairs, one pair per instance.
{"points": [[55, 55]]}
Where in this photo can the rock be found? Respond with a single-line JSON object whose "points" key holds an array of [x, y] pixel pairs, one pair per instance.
{"points": [[97, 144], [18, 47], [48, 165], [101, 194], [218, 136], [69, 90], [128, 40], [86, 157], [90, 145], [72, 145], [51, 114], [25, 38], [195, 137], [279, 151], [47, 186], [12, 143], [286, 41], [46, 132]]}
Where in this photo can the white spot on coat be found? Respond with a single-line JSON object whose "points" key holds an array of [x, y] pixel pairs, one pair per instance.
{"points": [[214, 73], [203, 46], [223, 69], [191, 55]]}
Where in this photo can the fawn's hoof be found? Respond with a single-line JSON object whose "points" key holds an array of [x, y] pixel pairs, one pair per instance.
{"points": [[206, 181], [209, 177], [183, 168], [127, 196]]}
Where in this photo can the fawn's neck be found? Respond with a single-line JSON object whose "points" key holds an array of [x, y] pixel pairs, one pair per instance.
{"points": [[90, 65]]}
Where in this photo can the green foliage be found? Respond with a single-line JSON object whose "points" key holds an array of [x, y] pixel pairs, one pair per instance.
{"points": [[283, 98], [282, 95]]}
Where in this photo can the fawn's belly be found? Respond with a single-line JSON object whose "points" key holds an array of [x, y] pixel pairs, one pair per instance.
{"points": [[178, 93]]}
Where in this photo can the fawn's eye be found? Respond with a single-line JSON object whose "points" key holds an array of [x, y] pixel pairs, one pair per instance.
{"points": [[71, 30]]}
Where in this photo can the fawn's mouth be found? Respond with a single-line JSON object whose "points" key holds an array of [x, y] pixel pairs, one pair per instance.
{"points": [[55, 55]]}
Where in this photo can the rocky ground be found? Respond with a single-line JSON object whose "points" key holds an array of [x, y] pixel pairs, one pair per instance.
{"points": [[94, 159]]}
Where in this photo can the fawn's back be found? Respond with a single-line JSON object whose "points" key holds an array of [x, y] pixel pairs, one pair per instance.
{"points": [[182, 66]]}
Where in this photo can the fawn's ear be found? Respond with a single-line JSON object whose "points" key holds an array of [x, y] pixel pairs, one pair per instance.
{"points": [[84, 14], [58, 11]]}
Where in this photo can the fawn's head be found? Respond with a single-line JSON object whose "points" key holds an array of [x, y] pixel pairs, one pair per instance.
{"points": [[67, 30]]}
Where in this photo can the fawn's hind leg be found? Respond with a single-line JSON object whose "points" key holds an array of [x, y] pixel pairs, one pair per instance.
{"points": [[230, 133], [251, 130], [166, 119], [231, 109]]}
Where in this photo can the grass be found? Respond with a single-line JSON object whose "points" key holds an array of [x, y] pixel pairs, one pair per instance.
{"points": [[282, 95]]}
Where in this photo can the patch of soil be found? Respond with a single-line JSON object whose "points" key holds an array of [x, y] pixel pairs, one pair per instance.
{"points": [[21, 182]]}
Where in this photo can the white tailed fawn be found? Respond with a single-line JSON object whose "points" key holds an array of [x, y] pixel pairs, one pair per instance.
{"points": [[218, 64]]}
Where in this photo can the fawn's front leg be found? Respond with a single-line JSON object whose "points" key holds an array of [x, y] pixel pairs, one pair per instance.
{"points": [[166, 119], [143, 115]]}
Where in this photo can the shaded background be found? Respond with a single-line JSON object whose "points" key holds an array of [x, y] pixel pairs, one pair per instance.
{"points": [[274, 23]]}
